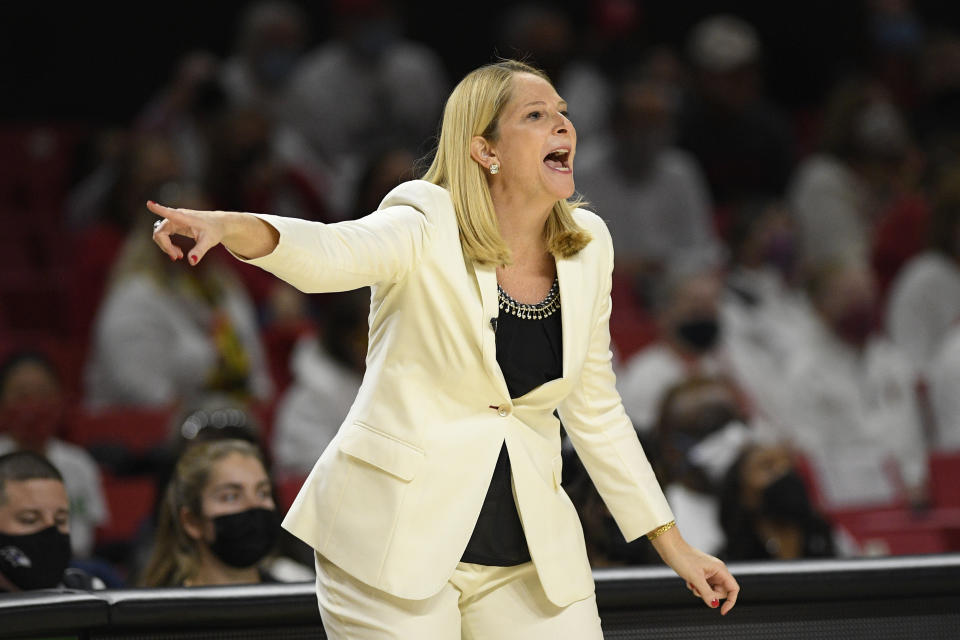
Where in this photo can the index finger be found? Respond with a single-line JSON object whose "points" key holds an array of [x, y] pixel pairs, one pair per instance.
{"points": [[169, 213], [733, 590]]}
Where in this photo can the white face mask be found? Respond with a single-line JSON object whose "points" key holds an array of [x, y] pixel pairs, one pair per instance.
{"points": [[716, 453]]}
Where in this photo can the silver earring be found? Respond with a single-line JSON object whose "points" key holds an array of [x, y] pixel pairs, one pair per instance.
{"points": [[494, 168]]}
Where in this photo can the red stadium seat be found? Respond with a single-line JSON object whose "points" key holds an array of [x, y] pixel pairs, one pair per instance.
{"points": [[287, 489], [138, 429], [945, 479], [130, 501], [896, 531]]}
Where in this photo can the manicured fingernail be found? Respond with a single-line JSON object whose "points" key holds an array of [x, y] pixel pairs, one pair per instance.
{"points": [[151, 202], [714, 603], [193, 259], [173, 258]]}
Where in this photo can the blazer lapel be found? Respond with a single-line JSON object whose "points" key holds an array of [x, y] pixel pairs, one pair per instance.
{"points": [[568, 275], [487, 282]]}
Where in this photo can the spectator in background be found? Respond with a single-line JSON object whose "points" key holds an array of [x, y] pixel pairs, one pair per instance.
{"points": [[167, 333], [936, 118], [764, 314], [141, 166], [218, 520], [184, 111], [766, 512], [327, 373], [688, 308], [944, 381], [651, 194], [740, 140], [854, 412], [544, 32], [365, 83], [31, 415], [247, 173], [35, 527], [699, 434], [389, 167], [270, 41], [924, 300], [839, 195]]}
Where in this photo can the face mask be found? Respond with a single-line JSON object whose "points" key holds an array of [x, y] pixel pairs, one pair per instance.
{"points": [[781, 253], [855, 325], [243, 539], [700, 334], [786, 499], [274, 67], [35, 560]]}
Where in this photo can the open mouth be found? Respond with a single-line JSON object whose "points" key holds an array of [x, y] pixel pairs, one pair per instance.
{"points": [[558, 160]]}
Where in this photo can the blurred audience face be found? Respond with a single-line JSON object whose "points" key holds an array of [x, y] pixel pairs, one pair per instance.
{"points": [[272, 38], [725, 51], [540, 31], [31, 405], [239, 524], [643, 125], [847, 303], [242, 172], [690, 414], [767, 511], [149, 170], [34, 534], [771, 241], [761, 468], [370, 28], [690, 319]]}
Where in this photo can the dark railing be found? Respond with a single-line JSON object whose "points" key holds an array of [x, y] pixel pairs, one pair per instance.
{"points": [[902, 597]]}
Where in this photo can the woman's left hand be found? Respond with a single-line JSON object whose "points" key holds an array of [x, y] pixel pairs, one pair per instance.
{"points": [[707, 577]]}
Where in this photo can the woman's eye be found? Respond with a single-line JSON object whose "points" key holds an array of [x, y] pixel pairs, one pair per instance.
{"points": [[534, 115], [565, 114]]}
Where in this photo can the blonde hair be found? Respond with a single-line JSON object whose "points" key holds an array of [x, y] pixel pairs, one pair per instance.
{"points": [[176, 556], [473, 109]]}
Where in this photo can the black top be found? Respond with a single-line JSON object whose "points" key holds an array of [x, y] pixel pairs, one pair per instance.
{"points": [[530, 353]]}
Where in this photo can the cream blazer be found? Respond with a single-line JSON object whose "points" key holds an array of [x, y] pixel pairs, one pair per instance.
{"points": [[394, 498]]}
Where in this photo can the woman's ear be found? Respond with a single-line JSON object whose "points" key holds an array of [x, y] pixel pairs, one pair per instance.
{"points": [[482, 152], [191, 524]]}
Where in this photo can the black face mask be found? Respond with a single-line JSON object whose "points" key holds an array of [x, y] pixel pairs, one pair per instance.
{"points": [[243, 539], [786, 499], [35, 560], [700, 334]]}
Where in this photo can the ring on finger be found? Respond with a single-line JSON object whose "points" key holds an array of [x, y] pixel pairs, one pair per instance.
{"points": [[156, 225]]}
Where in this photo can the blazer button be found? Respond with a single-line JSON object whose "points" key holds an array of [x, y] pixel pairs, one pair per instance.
{"points": [[503, 412]]}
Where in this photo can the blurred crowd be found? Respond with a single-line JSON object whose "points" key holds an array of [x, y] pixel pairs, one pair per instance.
{"points": [[786, 292]]}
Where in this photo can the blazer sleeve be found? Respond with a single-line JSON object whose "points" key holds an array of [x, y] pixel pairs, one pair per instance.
{"points": [[318, 258], [604, 437]]}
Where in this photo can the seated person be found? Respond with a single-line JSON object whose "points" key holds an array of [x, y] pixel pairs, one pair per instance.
{"points": [[35, 527], [31, 416], [218, 522], [327, 371], [766, 512], [700, 432]]}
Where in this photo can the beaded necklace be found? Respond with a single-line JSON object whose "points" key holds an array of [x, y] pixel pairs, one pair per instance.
{"points": [[543, 309]]}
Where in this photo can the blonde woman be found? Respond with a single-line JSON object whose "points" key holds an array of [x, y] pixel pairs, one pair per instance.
{"points": [[218, 520], [437, 510]]}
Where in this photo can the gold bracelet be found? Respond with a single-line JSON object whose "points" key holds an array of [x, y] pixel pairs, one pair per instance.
{"points": [[659, 531]]}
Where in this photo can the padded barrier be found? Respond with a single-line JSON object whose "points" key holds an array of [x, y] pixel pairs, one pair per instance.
{"points": [[877, 598]]}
